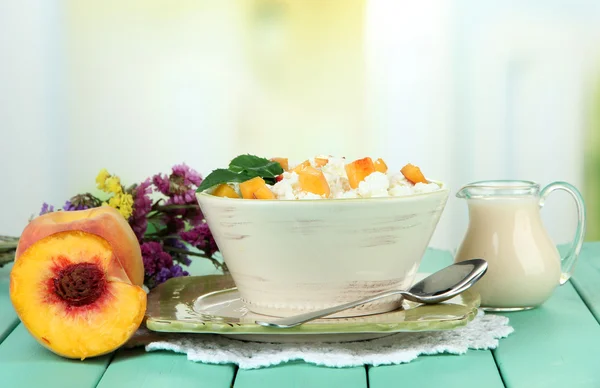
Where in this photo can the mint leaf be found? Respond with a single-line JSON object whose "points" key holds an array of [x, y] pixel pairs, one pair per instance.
{"points": [[242, 168], [219, 176], [255, 166]]}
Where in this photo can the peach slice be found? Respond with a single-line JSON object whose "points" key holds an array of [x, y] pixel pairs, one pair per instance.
{"points": [[380, 166], [321, 161], [224, 190], [313, 181], [263, 192], [283, 162], [358, 170], [413, 174], [299, 167], [72, 298], [256, 188]]}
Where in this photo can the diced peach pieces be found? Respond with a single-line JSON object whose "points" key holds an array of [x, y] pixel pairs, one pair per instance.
{"points": [[299, 167], [224, 190], [75, 282], [380, 166], [256, 188], [413, 174], [313, 181], [263, 192], [358, 170], [282, 161], [321, 161]]}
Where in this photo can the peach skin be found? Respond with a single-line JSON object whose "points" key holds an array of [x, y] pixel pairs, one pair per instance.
{"points": [[76, 281]]}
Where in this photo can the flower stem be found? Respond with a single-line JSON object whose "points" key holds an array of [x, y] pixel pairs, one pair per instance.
{"points": [[173, 207], [158, 236], [215, 262], [6, 257]]}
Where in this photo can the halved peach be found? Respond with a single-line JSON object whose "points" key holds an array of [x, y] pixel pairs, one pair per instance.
{"points": [[70, 290], [313, 181], [358, 170], [105, 222], [256, 188], [224, 190], [380, 166]]}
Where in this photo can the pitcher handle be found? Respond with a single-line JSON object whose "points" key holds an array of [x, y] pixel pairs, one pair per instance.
{"points": [[568, 261]]}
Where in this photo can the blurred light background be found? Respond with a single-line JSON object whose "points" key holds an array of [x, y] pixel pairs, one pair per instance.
{"points": [[466, 89]]}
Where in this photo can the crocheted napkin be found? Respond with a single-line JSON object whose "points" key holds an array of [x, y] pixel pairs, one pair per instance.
{"points": [[483, 332]]}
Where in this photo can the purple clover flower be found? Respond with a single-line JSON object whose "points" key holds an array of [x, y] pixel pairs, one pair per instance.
{"points": [[190, 176], [69, 206], [142, 204], [180, 186], [182, 256], [168, 273], [46, 209], [158, 264], [155, 258], [201, 237], [162, 183], [177, 271]]}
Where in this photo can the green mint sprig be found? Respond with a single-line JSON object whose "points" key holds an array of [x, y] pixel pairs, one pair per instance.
{"points": [[242, 168]]}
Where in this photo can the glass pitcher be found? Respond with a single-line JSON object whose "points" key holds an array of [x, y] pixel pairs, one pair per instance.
{"points": [[506, 229]]}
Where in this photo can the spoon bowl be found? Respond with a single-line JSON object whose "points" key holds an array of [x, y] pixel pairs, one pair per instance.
{"points": [[435, 288]]}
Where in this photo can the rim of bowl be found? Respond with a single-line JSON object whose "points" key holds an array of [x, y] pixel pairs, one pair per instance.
{"points": [[443, 188]]}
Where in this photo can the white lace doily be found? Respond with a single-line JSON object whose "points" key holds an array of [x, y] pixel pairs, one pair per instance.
{"points": [[483, 332]]}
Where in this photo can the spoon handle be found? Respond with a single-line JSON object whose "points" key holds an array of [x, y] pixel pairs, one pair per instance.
{"points": [[302, 318]]}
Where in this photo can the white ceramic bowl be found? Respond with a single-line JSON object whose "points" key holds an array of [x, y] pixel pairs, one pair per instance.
{"points": [[292, 256]]}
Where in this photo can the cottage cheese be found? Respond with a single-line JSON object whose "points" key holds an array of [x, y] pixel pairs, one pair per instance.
{"points": [[375, 185]]}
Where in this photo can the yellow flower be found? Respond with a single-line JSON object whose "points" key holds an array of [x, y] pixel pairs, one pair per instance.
{"points": [[123, 203], [113, 185], [101, 179], [115, 201], [126, 207]]}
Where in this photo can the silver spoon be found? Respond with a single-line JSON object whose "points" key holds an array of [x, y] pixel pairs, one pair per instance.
{"points": [[437, 287]]}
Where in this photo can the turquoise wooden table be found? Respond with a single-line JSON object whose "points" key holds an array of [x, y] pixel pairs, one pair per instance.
{"points": [[556, 345]]}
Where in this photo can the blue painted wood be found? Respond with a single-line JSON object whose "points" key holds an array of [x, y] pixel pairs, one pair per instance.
{"points": [[474, 369], [26, 364], [447, 371], [300, 374], [8, 317], [546, 350], [586, 278], [558, 344], [136, 368]]}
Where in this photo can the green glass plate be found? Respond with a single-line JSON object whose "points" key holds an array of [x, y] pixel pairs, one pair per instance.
{"points": [[211, 304]]}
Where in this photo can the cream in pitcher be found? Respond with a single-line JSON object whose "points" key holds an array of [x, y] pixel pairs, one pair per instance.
{"points": [[506, 229]]}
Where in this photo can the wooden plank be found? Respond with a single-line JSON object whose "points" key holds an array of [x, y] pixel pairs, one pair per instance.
{"points": [[586, 277], [300, 374], [25, 363], [8, 317], [555, 345], [136, 368], [474, 369]]}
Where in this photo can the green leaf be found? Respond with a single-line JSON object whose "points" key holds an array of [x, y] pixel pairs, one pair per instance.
{"points": [[219, 176], [247, 161], [242, 168], [255, 166]]}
